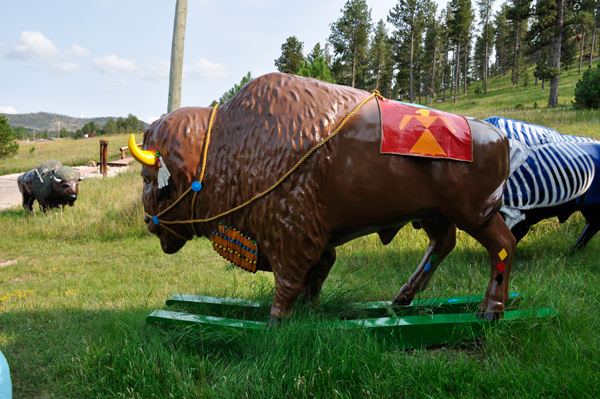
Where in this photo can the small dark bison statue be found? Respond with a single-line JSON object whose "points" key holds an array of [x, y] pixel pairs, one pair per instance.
{"points": [[51, 184]]}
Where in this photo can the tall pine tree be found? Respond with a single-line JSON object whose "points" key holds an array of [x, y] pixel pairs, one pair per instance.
{"points": [[485, 16], [350, 38], [379, 57], [291, 55], [459, 25], [409, 19]]}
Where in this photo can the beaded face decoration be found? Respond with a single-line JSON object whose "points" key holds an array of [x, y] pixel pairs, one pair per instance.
{"points": [[238, 249]]}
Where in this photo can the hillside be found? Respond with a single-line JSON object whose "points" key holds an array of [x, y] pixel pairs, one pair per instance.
{"points": [[527, 103], [45, 120]]}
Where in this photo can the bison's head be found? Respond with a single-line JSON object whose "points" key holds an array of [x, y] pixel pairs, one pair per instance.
{"points": [[173, 142], [65, 185]]}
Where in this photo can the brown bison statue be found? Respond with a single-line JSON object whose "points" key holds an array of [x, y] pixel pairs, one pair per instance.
{"points": [[51, 184], [253, 187]]}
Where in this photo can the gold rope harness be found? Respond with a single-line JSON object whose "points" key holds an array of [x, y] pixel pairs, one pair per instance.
{"points": [[163, 223]]}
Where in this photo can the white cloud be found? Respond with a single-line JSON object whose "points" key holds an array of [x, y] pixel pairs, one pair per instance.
{"points": [[112, 64], [204, 69], [34, 46], [67, 67], [76, 51], [7, 110], [155, 72]]}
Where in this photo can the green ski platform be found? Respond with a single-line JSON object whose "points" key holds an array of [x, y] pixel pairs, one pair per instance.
{"points": [[423, 323]]}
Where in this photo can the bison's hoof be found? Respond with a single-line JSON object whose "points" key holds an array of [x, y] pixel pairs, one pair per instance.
{"points": [[489, 315], [273, 323], [401, 300]]}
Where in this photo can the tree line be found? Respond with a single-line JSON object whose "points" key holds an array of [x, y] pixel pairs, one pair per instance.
{"points": [[430, 54], [131, 124]]}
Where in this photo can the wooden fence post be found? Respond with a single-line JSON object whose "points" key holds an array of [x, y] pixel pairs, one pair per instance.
{"points": [[103, 157]]}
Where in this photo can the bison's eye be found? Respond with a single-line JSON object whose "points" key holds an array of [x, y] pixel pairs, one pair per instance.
{"points": [[146, 181]]}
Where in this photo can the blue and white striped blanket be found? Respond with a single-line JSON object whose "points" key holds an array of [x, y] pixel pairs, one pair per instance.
{"points": [[547, 168]]}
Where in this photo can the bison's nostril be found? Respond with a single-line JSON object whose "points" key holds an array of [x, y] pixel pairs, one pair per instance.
{"points": [[73, 197]]}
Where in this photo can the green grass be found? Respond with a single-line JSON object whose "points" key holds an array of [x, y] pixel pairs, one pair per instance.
{"points": [[72, 308], [68, 152]]}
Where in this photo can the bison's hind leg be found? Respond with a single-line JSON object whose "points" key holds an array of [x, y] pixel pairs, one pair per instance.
{"points": [[592, 225], [495, 236], [442, 239], [520, 230]]}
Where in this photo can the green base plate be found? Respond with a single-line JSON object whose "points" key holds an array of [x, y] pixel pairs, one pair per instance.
{"points": [[407, 331]]}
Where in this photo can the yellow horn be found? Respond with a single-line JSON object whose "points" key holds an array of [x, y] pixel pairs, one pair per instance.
{"points": [[144, 157]]}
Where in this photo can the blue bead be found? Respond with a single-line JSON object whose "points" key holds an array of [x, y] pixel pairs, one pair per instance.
{"points": [[155, 220], [196, 186], [427, 267]]}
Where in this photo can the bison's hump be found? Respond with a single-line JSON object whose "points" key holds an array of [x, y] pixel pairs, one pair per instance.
{"points": [[42, 188]]}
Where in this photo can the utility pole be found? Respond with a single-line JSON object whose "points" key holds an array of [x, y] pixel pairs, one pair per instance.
{"points": [[58, 134], [177, 56], [34, 135]]}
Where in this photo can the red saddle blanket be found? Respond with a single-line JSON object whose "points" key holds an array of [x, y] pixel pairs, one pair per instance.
{"points": [[424, 132]]}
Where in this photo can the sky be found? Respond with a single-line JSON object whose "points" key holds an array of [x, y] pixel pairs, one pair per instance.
{"points": [[94, 58]]}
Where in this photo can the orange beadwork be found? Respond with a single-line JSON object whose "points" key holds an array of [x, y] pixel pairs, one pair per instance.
{"points": [[235, 247]]}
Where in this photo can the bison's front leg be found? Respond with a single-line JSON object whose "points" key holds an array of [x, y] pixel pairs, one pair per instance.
{"points": [[495, 236], [295, 274], [28, 202], [442, 239], [287, 288], [316, 276]]}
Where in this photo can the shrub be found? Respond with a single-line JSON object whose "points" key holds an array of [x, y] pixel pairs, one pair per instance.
{"points": [[478, 90], [8, 147], [520, 106], [587, 90]]}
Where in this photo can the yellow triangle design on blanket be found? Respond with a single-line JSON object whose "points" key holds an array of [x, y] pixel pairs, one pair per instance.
{"points": [[427, 145]]}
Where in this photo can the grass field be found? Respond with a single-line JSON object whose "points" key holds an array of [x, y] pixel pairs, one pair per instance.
{"points": [[73, 307]]}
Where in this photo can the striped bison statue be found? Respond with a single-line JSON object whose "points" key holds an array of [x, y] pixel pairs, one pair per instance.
{"points": [[552, 174], [291, 167]]}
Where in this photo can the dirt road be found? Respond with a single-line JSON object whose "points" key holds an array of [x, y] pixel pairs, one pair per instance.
{"points": [[9, 194]]}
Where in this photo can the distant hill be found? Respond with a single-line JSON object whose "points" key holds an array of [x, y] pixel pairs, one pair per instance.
{"points": [[45, 120]]}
